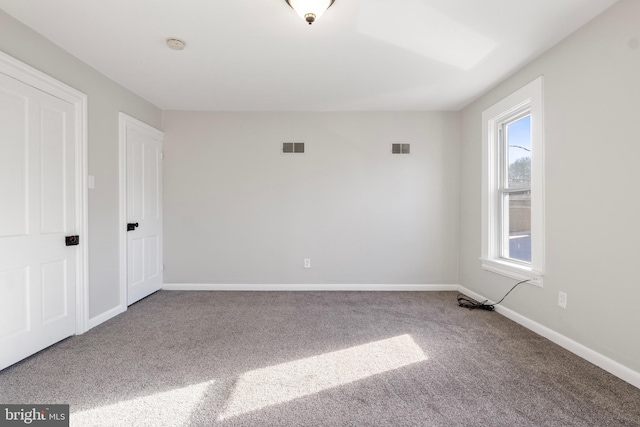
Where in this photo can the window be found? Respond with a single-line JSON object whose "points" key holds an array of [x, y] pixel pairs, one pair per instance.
{"points": [[513, 185]]}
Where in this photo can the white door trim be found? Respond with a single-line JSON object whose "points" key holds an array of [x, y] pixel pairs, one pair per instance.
{"points": [[127, 122], [37, 79]]}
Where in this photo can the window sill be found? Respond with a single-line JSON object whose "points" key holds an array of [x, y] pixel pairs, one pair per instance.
{"points": [[512, 270]]}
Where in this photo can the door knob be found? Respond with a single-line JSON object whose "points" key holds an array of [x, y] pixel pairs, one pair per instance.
{"points": [[132, 226], [71, 240]]}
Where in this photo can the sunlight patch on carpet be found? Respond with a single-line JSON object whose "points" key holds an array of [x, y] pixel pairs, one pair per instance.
{"points": [[282, 383], [171, 407]]}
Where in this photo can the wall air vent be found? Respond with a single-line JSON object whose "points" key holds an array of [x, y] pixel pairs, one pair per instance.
{"points": [[397, 148], [293, 147]]}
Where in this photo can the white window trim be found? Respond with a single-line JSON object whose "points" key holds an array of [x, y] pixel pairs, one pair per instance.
{"points": [[531, 95]]}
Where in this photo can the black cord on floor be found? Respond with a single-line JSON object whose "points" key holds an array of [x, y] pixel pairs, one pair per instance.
{"points": [[471, 304]]}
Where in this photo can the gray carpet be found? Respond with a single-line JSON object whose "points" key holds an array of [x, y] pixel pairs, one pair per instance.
{"points": [[317, 359]]}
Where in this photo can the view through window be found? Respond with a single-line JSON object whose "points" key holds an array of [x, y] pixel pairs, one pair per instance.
{"points": [[516, 188]]}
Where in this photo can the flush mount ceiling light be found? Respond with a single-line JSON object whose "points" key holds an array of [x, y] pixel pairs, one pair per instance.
{"points": [[310, 10], [175, 44]]}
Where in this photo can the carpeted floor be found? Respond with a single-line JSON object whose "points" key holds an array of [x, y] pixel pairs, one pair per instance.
{"points": [[317, 359]]}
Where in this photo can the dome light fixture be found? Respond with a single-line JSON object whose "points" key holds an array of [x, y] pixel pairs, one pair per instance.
{"points": [[310, 10], [175, 44]]}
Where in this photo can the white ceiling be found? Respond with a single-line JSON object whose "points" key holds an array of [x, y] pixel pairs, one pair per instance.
{"points": [[258, 55]]}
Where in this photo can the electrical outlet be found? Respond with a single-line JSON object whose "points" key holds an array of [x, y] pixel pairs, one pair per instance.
{"points": [[562, 299], [307, 263]]}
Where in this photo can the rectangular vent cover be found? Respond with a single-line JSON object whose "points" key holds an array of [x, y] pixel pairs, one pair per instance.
{"points": [[293, 147], [400, 148]]}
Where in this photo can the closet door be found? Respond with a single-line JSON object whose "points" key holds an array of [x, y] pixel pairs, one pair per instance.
{"points": [[38, 271], [143, 208]]}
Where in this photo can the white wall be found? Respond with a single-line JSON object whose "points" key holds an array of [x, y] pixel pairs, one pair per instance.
{"points": [[237, 211], [105, 100], [592, 141]]}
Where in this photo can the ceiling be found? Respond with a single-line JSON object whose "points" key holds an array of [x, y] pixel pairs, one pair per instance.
{"points": [[259, 55]]}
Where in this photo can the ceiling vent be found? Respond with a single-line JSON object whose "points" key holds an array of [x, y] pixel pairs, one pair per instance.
{"points": [[397, 148], [293, 147]]}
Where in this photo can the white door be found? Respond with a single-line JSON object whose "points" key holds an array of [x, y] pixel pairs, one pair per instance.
{"points": [[144, 209], [37, 210]]}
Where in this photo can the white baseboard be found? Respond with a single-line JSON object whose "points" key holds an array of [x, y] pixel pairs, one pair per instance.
{"points": [[303, 287], [609, 365], [101, 318]]}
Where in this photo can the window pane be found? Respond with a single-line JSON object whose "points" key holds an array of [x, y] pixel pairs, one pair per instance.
{"points": [[517, 226], [519, 153]]}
